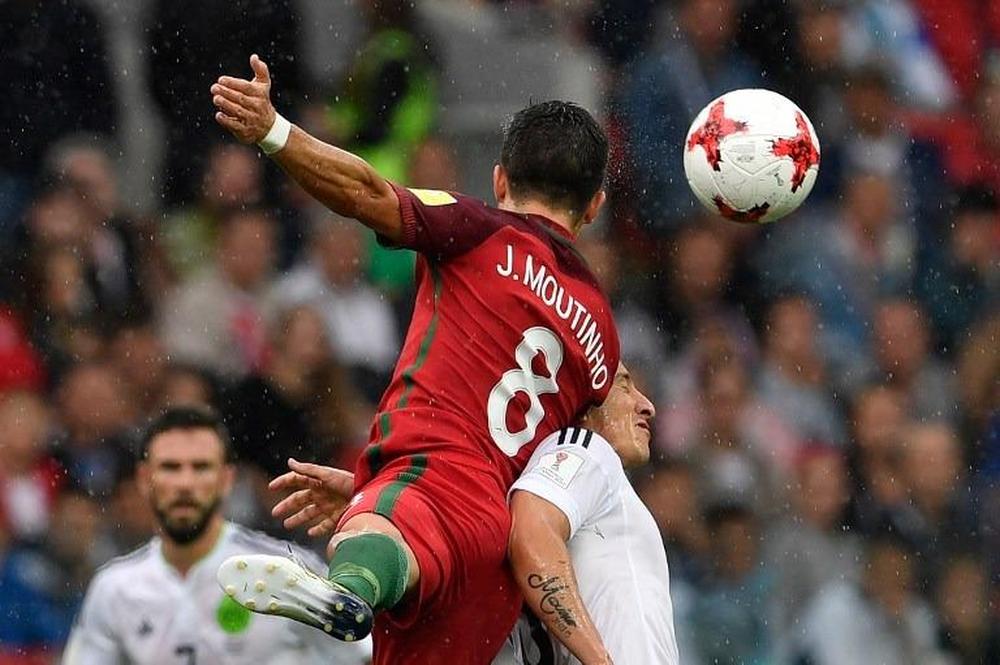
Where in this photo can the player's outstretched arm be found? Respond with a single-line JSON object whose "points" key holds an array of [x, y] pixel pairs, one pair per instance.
{"points": [[341, 181], [544, 572], [318, 496]]}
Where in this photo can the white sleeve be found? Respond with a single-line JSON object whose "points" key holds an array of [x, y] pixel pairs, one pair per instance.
{"points": [[573, 470], [93, 640]]}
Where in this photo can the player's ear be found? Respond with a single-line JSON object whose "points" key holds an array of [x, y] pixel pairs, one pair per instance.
{"points": [[594, 207], [501, 186]]}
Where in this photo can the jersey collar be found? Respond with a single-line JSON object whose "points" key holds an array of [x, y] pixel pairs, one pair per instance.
{"points": [[551, 225]]}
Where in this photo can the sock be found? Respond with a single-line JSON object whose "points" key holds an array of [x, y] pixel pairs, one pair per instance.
{"points": [[372, 566]]}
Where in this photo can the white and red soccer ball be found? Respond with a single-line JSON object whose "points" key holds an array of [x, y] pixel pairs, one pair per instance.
{"points": [[751, 156]]}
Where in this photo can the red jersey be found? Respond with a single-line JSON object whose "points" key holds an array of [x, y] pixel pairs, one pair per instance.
{"points": [[511, 339]]}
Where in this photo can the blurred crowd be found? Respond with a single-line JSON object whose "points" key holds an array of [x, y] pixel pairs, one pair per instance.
{"points": [[826, 468]]}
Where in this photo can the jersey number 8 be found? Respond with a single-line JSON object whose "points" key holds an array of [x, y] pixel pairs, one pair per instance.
{"points": [[524, 380]]}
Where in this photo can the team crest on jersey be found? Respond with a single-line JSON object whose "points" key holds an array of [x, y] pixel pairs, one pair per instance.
{"points": [[232, 617], [434, 197], [560, 467]]}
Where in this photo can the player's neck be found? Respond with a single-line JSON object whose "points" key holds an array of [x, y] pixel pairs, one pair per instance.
{"points": [[542, 210], [183, 557]]}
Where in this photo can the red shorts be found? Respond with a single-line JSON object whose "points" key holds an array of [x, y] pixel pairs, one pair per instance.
{"points": [[456, 521]]}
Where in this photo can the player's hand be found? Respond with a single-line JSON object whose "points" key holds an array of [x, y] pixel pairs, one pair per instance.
{"points": [[245, 107], [318, 496]]}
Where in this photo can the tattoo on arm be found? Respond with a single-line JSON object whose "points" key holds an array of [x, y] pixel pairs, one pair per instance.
{"points": [[553, 593]]}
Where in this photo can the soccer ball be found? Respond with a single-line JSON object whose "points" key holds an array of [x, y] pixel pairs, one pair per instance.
{"points": [[751, 156]]}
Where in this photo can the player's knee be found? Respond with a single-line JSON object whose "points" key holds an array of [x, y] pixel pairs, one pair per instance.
{"points": [[372, 523]]}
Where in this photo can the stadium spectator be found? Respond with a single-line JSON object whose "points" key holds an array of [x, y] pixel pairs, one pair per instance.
{"points": [[671, 83], [114, 253], [21, 366], [942, 518], [137, 355], [359, 320], [134, 522], [902, 350], [386, 107], [809, 548], [59, 82], [962, 33], [730, 614], [697, 285], [793, 377], [879, 620], [892, 33], [622, 29], [978, 367], [30, 479], [387, 104], [739, 450], [434, 166], [187, 385], [788, 40], [216, 319], [670, 491], [712, 340], [64, 325], [270, 413], [968, 633], [967, 264], [641, 344], [217, 36], [968, 139], [29, 632], [878, 493], [95, 413], [74, 547], [843, 264], [232, 179]]}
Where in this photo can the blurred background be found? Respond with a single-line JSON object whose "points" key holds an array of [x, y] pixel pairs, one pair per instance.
{"points": [[827, 447]]}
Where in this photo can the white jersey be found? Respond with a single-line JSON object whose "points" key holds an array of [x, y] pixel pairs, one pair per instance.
{"points": [[140, 611], [616, 551]]}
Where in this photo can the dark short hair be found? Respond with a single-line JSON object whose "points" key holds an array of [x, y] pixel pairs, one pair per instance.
{"points": [[555, 151], [187, 418]]}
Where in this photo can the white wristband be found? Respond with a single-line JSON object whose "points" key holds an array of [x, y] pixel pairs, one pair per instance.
{"points": [[277, 136]]}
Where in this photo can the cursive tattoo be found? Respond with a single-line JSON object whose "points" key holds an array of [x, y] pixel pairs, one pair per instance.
{"points": [[552, 589]]}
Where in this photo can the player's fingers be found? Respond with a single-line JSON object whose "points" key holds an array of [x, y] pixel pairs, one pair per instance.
{"points": [[232, 124], [242, 85], [291, 481], [317, 471], [230, 108], [324, 528], [304, 517], [233, 95], [293, 502], [336, 480], [261, 74]]}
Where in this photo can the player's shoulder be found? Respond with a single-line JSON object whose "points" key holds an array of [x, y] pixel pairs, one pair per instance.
{"points": [[123, 569], [579, 447], [581, 439]]}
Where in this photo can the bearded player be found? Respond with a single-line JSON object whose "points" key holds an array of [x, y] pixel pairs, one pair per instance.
{"points": [[511, 340]]}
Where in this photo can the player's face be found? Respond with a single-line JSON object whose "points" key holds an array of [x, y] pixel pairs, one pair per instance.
{"points": [[186, 478], [624, 419]]}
